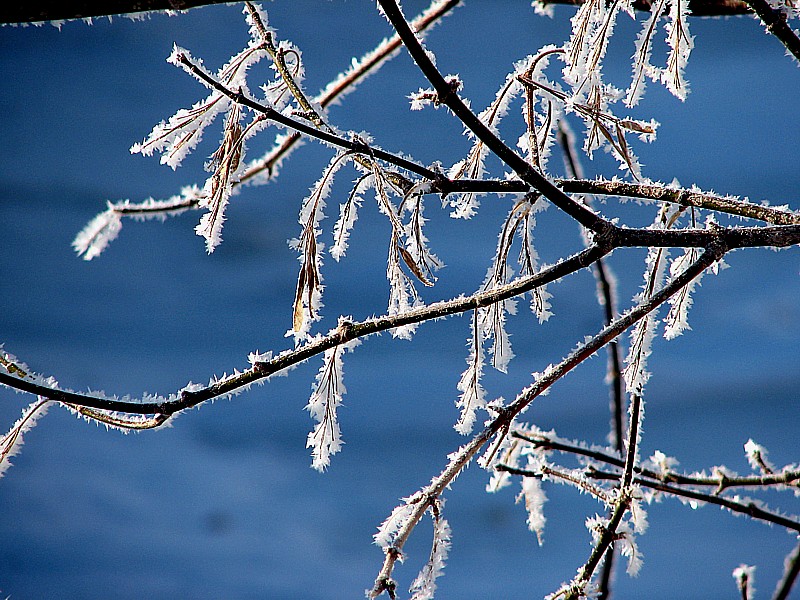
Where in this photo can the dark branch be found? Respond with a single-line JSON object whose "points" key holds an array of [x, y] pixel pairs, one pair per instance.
{"points": [[342, 335], [775, 22], [53, 10]]}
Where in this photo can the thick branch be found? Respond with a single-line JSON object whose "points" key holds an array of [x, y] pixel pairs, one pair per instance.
{"points": [[775, 22], [54, 10]]}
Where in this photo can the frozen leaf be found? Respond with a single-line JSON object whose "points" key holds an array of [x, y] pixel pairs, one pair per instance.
{"points": [[326, 438], [628, 548], [183, 131], [98, 233], [224, 162], [676, 320], [424, 585], [348, 214], [681, 44], [641, 57], [473, 396], [11, 442], [535, 499], [308, 293], [395, 522]]}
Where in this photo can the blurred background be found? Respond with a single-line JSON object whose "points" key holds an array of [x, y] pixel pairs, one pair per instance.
{"points": [[224, 503]]}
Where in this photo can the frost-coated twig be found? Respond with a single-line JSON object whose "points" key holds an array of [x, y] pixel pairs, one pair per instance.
{"points": [[606, 296], [270, 113], [332, 93], [682, 196], [719, 481], [746, 508], [791, 571], [697, 8], [750, 509]]}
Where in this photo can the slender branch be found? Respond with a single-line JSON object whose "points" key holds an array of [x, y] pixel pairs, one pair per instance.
{"points": [[343, 84], [682, 196], [775, 22], [605, 294], [326, 136], [720, 482], [790, 574], [604, 545], [343, 334], [750, 509], [333, 92]]}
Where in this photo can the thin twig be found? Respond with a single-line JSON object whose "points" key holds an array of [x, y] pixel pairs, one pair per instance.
{"points": [[750, 509], [719, 482], [606, 297], [792, 570], [697, 8]]}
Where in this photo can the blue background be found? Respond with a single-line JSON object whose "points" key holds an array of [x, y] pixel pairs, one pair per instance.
{"points": [[224, 503]]}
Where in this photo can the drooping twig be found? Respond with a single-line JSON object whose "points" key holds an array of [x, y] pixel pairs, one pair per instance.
{"points": [[332, 93], [605, 289]]}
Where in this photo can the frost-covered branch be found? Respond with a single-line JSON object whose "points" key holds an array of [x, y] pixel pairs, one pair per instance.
{"points": [[683, 196], [104, 228], [790, 573], [347, 331], [499, 426], [775, 20]]}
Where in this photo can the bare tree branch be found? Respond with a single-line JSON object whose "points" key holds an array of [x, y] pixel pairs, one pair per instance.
{"points": [[53, 10]]}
